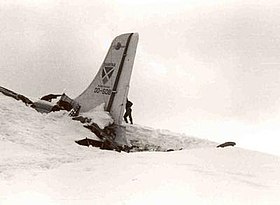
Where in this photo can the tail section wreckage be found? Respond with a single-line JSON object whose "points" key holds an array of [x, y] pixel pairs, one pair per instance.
{"points": [[109, 87], [111, 84]]}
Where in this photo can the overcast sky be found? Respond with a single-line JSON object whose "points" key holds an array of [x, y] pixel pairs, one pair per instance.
{"points": [[206, 68]]}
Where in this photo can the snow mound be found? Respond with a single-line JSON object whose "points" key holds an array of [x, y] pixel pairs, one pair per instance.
{"points": [[32, 140], [149, 139], [56, 132], [99, 116], [29, 139]]}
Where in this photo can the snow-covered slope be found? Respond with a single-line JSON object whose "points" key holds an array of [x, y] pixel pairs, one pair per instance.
{"points": [[41, 164]]}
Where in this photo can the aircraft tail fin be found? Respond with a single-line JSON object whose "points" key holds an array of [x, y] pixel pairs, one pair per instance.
{"points": [[111, 84]]}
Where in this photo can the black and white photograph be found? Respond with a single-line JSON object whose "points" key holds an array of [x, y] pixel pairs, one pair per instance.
{"points": [[129, 102]]}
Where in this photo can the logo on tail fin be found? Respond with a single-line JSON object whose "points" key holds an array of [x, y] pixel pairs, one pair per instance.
{"points": [[118, 45], [107, 73]]}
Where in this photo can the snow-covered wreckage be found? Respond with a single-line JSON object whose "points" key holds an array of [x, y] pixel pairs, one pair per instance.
{"points": [[108, 91]]}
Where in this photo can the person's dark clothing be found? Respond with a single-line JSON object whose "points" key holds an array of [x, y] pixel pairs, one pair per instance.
{"points": [[128, 112]]}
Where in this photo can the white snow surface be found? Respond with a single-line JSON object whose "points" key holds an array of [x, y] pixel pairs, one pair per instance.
{"points": [[41, 164], [98, 115]]}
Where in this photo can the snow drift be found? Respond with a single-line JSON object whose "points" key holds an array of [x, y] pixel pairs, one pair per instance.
{"points": [[41, 164]]}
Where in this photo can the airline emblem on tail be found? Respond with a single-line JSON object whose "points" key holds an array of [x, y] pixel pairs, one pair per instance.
{"points": [[118, 46], [107, 73]]}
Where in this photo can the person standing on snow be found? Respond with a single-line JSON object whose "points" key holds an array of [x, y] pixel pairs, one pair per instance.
{"points": [[128, 111]]}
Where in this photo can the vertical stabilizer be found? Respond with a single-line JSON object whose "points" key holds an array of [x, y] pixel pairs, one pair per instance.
{"points": [[111, 84]]}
